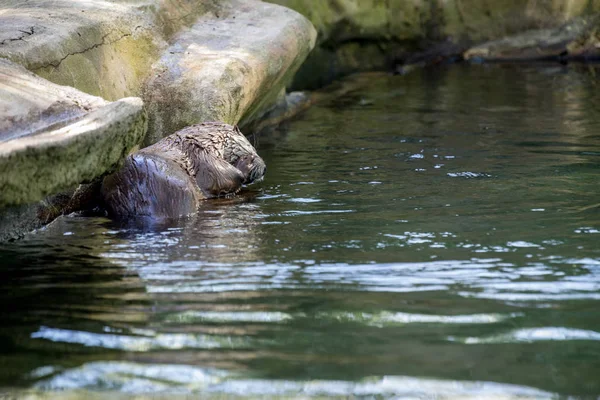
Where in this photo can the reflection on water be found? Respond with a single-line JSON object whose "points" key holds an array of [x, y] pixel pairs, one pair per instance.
{"points": [[177, 379], [431, 235]]}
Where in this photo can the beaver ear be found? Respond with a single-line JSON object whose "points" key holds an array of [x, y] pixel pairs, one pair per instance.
{"points": [[215, 176]]}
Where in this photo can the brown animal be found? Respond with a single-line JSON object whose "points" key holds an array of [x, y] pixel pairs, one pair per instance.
{"points": [[171, 177]]}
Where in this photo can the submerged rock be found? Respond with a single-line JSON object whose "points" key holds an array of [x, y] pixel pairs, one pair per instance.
{"points": [[171, 177]]}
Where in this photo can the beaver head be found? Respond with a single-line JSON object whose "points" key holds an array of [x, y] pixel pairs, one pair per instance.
{"points": [[218, 156], [241, 154]]}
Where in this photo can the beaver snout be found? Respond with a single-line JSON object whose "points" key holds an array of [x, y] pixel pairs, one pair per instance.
{"points": [[252, 167], [257, 173]]}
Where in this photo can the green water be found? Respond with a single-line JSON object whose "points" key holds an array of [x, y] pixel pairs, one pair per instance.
{"points": [[435, 234]]}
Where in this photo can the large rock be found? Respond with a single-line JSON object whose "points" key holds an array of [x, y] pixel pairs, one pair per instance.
{"points": [[53, 137], [230, 66]]}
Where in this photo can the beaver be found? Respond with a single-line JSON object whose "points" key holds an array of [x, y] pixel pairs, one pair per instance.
{"points": [[170, 178]]}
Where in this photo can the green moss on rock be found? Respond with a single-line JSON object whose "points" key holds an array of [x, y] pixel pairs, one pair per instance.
{"points": [[389, 32]]}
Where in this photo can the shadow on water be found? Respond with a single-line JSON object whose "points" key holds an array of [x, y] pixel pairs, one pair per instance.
{"points": [[428, 235]]}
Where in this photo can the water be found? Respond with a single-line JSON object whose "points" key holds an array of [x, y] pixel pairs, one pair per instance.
{"points": [[434, 234]]}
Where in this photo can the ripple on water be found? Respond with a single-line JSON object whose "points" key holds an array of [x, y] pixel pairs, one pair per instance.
{"points": [[134, 378], [380, 319], [530, 335], [303, 200], [157, 341], [468, 175], [491, 278], [291, 213]]}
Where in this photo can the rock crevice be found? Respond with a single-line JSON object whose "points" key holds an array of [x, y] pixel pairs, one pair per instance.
{"points": [[23, 35], [103, 42]]}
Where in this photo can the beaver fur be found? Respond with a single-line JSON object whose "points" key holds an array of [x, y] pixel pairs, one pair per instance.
{"points": [[171, 177]]}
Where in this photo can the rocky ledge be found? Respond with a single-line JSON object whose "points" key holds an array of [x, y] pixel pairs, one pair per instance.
{"points": [[578, 39], [52, 136], [75, 78]]}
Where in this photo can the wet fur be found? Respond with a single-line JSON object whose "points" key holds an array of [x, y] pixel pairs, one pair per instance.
{"points": [[169, 178]]}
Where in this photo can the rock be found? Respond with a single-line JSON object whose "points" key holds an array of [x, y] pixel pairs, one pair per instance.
{"points": [[230, 66], [286, 108], [29, 104], [170, 178], [578, 39], [374, 35], [103, 48], [16, 221], [54, 137], [295, 103], [243, 53]]}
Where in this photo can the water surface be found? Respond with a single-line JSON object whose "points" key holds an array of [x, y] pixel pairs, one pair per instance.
{"points": [[435, 234]]}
